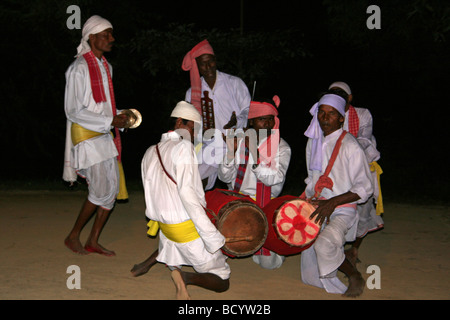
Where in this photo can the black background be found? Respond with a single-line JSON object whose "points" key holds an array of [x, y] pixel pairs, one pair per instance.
{"points": [[400, 72]]}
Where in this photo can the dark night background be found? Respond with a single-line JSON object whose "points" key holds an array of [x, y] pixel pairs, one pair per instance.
{"points": [[293, 49]]}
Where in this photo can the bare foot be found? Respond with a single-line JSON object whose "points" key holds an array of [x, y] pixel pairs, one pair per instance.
{"points": [[182, 293], [140, 269], [352, 256], [356, 286], [99, 249], [75, 245]]}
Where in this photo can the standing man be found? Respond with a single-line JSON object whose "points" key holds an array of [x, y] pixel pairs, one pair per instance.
{"points": [[257, 165], [91, 149], [358, 122], [338, 178], [175, 203], [226, 94]]}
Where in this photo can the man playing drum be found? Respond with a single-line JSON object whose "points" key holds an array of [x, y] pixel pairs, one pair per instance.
{"points": [[257, 164], [338, 178], [175, 203]]}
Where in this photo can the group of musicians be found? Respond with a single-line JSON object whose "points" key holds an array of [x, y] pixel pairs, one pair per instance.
{"points": [[218, 134]]}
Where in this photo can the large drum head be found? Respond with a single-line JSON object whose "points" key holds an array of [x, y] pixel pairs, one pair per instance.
{"points": [[242, 219], [293, 225]]}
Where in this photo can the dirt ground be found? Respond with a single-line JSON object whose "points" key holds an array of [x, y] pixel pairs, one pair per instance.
{"points": [[412, 253]]}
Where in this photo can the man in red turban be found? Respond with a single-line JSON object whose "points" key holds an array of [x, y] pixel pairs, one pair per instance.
{"points": [[257, 165], [228, 98]]}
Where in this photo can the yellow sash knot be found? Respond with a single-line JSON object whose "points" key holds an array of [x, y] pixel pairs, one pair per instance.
{"points": [[374, 167], [179, 232], [79, 134]]}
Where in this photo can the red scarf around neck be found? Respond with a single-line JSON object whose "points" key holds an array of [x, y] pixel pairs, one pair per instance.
{"points": [[98, 92], [263, 192], [353, 121]]}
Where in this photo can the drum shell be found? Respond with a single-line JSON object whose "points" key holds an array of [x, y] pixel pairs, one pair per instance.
{"points": [[237, 215], [273, 241]]}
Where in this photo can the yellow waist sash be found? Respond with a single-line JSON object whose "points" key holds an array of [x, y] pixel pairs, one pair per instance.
{"points": [[179, 232], [374, 167], [78, 134]]}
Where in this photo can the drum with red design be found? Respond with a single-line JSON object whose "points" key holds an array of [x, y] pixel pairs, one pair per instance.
{"points": [[290, 229], [239, 220]]}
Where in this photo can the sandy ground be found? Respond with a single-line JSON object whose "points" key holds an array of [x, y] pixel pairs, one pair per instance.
{"points": [[412, 252]]}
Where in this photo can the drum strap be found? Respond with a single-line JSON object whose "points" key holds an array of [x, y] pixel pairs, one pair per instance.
{"points": [[162, 165], [241, 172], [324, 181], [179, 232]]}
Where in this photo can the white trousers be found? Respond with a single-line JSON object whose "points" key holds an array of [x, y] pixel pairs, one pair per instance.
{"points": [[103, 182], [320, 262]]}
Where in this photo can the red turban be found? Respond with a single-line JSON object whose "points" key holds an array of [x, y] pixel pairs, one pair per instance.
{"points": [[261, 109], [189, 64], [267, 151]]}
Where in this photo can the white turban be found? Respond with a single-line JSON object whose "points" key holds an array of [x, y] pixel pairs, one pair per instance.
{"points": [[93, 25], [342, 85], [314, 131], [186, 111]]}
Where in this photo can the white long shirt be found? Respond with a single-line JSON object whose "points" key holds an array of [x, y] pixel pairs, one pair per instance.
{"points": [[81, 108], [229, 94], [273, 177], [365, 133], [350, 171], [172, 203]]}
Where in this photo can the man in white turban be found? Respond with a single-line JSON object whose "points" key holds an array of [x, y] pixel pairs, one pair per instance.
{"points": [[92, 26], [92, 119], [175, 203], [338, 179]]}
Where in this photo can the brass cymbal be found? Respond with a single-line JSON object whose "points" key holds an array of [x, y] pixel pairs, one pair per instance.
{"points": [[134, 118]]}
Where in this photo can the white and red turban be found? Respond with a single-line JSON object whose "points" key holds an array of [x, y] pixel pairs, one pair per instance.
{"points": [[189, 64]]}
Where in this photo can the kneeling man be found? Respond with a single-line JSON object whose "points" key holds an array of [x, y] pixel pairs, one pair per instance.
{"points": [[338, 179]]}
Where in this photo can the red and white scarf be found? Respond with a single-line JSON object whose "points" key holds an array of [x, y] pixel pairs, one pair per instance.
{"points": [[267, 151], [98, 92], [353, 121]]}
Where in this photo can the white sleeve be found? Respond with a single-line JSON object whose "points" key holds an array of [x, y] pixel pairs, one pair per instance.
{"points": [[272, 175], [77, 93]]}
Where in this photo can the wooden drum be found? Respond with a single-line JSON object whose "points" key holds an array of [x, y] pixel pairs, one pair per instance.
{"points": [[238, 219], [290, 230]]}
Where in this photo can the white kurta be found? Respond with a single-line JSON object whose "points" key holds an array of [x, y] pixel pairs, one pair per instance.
{"points": [[350, 172], [81, 108], [365, 133], [273, 177], [171, 204], [229, 94], [368, 219]]}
